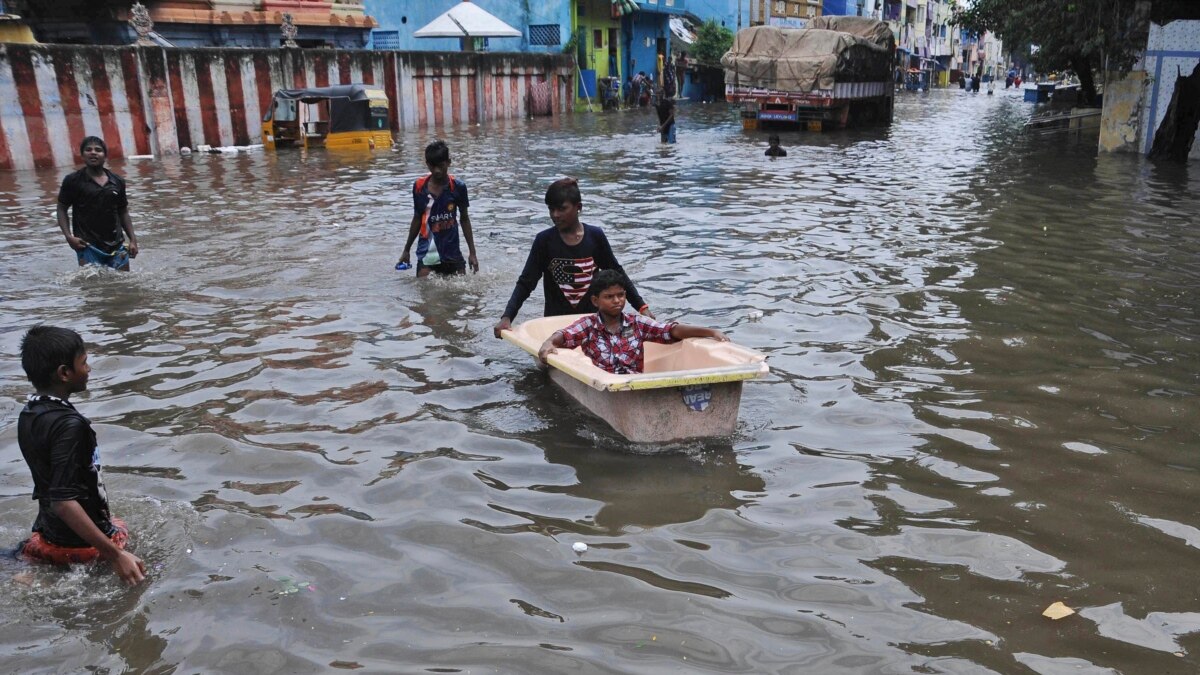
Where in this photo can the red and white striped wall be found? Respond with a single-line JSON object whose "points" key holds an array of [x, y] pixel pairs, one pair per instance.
{"points": [[155, 101], [53, 97]]}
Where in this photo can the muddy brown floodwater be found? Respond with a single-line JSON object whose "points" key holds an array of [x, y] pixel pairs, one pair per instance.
{"points": [[983, 400]]}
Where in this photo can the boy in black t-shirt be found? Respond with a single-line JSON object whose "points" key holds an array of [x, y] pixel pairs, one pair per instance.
{"points": [[773, 148], [73, 523], [99, 211], [566, 257]]}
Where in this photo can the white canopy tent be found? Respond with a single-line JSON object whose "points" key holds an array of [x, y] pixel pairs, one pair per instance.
{"points": [[468, 21]]}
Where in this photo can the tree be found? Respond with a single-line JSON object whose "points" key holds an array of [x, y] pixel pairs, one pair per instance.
{"points": [[1086, 36], [1081, 35], [712, 41]]}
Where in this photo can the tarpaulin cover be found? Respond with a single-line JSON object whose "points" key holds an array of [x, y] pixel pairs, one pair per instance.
{"points": [[864, 27], [807, 59]]}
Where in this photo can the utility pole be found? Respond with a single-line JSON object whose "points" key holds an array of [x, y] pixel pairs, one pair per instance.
{"points": [[739, 14]]}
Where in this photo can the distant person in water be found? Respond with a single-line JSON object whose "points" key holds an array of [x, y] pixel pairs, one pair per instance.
{"points": [[666, 120], [98, 227], [73, 523], [565, 257], [773, 149], [613, 340]]}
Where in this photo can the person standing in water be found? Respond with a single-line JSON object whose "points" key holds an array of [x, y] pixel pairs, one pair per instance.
{"points": [[73, 524], [566, 257], [666, 120], [440, 204], [773, 149], [98, 227]]}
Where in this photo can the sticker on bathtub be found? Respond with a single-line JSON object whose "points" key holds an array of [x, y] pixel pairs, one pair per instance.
{"points": [[697, 397]]}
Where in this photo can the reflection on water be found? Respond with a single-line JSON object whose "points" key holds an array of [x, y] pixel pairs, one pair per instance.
{"points": [[983, 352]]}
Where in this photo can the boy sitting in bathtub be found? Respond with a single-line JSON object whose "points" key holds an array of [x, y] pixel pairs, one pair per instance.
{"points": [[613, 340]]}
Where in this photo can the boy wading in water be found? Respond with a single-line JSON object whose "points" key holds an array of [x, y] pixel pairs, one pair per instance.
{"points": [[666, 120], [99, 211], [73, 523], [439, 204], [613, 340], [566, 257], [773, 149]]}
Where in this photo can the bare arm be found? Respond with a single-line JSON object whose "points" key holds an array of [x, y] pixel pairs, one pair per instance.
{"points": [[413, 228], [555, 341], [534, 264], [126, 565], [64, 224], [127, 225], [465, 221], [682, 331]]}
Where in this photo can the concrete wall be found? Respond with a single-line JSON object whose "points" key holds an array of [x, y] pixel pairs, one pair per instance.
{"points": [[155, 101], [1121, 121]]}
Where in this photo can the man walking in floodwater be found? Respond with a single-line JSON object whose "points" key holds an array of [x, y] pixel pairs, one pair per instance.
{"points": [[99, 211]]}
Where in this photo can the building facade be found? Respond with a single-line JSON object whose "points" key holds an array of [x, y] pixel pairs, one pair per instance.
{"points": [[202, 23], [546, 26]]}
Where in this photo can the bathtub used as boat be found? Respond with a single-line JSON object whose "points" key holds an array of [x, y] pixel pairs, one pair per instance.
{"points": [[690, 389]]}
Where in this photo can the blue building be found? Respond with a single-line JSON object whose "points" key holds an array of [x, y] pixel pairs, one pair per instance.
{"points": [[647, 33], [840, 7], [546, 25]]}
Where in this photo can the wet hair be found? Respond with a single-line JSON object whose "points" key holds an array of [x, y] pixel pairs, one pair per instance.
{"points": [[437, 152], [773, 139], [93, 140], [562, 191], [45, 348], [606, 279]]}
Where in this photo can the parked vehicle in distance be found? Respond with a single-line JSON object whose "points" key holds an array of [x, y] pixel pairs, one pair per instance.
{"points": [[344, 116], [836, 73]]}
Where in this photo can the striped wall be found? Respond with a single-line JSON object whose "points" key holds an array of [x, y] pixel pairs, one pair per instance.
{"points": [[155, 101]]}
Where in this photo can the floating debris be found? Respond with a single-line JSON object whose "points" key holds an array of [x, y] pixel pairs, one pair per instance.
{"points": [[1057, 611]]}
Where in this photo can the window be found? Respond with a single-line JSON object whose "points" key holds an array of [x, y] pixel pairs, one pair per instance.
{"points": [[546, 34], [597, 39], [385, 39], [581, 8]]}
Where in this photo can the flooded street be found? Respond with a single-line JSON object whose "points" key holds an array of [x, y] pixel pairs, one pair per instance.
{"points": [[983, 399]]}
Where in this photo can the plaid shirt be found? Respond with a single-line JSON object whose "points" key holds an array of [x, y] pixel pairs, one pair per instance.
{"points": [[621, 352]]}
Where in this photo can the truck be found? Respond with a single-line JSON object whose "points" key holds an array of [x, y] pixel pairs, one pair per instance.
{"points": [[835, 73]]}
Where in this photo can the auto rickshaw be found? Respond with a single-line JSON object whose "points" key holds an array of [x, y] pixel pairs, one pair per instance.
{"points": [[344, 116]]}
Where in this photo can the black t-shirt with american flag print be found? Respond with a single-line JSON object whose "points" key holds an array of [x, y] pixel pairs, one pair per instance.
{"points": [[566, 273]]}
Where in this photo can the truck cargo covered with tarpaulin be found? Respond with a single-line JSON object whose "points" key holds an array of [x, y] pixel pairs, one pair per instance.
{"points": [[834, 61]]}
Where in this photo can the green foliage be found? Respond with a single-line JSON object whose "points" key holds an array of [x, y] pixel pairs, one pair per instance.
{"points": [[712, 41], [1086, 36], [1069, 33]]}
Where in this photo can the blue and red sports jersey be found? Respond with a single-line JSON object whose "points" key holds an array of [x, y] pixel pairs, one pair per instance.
{"points": [[440, 217]]}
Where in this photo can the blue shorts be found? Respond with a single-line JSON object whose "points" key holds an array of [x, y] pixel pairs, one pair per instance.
{"points": [[91, 255]]}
